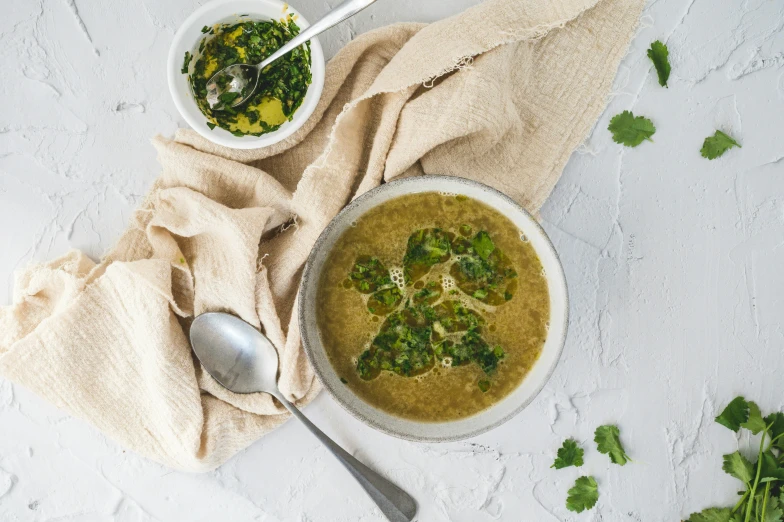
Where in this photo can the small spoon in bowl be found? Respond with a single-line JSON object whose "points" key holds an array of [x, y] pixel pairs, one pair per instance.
{"points": [[243, 360], [243, 78]]}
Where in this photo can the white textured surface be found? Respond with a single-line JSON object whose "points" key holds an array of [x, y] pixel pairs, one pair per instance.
{"points": [[674, 265]]}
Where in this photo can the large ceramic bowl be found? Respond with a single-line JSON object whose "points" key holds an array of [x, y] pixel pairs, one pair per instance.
{"points": [[486, 419], [189, 36]]}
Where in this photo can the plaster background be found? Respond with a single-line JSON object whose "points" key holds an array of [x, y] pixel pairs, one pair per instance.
{"points": [[673, 264]]}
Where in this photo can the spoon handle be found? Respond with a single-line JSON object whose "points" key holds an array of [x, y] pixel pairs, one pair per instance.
{"points": [[396, 504], [342, 12]]}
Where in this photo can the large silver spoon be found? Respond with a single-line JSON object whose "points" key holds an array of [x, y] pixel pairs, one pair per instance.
{"points": [[243, 79], [243, 360]]}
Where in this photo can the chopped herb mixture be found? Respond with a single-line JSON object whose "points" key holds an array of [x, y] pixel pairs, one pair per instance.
{"points": [[282, 85], [426, 247], [483, 271], [425, 328]]}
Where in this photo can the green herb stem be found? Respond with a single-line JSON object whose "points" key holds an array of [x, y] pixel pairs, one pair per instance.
{"points": [[773, 440], [765, 501], [759, 470], [740, 502]]}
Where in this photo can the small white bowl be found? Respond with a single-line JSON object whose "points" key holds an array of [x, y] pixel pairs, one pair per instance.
{"points": [[480, 422], [187, 39]]}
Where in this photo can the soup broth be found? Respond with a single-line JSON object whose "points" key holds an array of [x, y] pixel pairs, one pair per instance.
{"points": [[432, 307]]}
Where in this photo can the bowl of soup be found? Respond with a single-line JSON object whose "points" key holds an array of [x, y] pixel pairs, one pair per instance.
{"points": [[433, 308], [228, 32]]}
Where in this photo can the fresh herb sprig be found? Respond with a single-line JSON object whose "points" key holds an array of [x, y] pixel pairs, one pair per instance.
{"points": [[763, 498]]}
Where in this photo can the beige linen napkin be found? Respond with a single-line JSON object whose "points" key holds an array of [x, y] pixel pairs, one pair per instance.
{"points": [[501, 93]]}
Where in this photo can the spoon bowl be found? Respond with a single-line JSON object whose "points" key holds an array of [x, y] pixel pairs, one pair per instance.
{"points": [[235, 353], [239, 78]]}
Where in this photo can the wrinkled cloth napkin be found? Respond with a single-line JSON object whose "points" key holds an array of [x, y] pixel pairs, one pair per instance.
{"points": [[502, 93]]}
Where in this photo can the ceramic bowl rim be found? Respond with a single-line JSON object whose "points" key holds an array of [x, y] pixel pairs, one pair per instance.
{"points": [[308, 346], [186, 106]]}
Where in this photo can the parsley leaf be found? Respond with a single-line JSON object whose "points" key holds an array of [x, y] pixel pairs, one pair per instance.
{"points": [[770, 471], [735, 414], [712, 515], [608, 442], [570, 454], [776, 432], [630, 130], [755, 423], [583, 495], [715, 146], [774, 511], [739, 467], [659, 55]]}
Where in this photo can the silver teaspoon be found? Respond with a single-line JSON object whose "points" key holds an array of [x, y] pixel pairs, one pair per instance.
{"points": [[243, 360], [243, 79]]}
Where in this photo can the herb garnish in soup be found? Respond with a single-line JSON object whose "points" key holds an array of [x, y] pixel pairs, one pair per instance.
{"points": [[432, 307], [282, 85]]}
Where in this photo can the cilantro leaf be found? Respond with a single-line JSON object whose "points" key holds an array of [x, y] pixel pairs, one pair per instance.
{"points": [[756, 423], [608, 442], [770, 470], [712, 515], [735, 414], [739, 467], [776, 431], [774, 512], [630, 131], [715, 146], [583, 495], [570, 454], [659, 55]]}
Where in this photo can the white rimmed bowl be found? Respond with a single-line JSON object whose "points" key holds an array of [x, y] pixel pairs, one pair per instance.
{"points": [[187, 39], [479, 422]]}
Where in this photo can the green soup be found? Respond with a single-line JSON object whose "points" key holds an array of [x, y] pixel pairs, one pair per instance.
{"points": [[432, 307]]}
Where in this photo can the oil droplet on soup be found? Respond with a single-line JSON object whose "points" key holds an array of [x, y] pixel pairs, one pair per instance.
{"points": [[431, 307]]}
